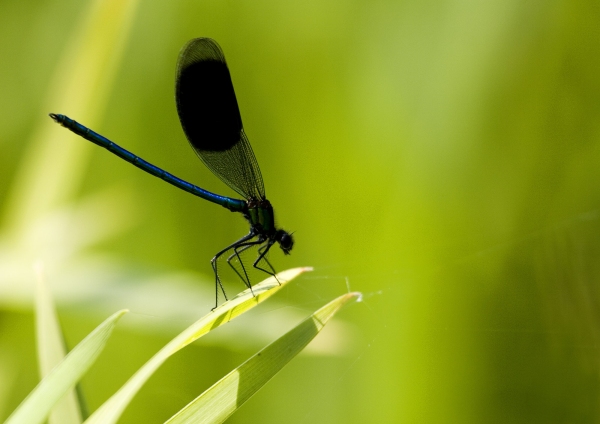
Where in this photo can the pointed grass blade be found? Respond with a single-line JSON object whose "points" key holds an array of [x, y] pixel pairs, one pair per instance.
{"points": [[112, 409], [37, 405], [51, 169], [51, 351], [221, 400]]}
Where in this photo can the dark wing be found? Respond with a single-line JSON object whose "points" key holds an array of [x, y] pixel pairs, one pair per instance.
{"points": [[211, 119]]}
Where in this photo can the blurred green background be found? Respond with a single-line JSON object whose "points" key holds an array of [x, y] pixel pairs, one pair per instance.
{"points": [[442, 157]]}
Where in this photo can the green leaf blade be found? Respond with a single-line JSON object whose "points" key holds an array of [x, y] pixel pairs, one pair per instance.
{"points": [[51, 351], [112, 409], [37, 405], [221, 400]]}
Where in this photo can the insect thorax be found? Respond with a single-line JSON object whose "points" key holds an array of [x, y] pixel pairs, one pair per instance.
{"points": [[261, 216]]}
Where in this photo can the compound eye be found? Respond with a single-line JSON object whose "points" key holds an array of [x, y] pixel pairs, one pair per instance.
{"points": [[286, 242]]}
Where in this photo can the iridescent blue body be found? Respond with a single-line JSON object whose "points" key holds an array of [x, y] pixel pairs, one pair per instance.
{"points": [[234, 205], [212, 123]]}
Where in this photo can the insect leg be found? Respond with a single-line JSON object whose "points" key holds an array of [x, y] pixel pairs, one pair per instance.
{"points": [[213, 262], [263, 251], [236, 253], [260, 251]]}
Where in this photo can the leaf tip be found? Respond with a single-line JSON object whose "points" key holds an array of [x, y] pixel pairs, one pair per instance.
{"points": [[120, 313], [358, 296]]}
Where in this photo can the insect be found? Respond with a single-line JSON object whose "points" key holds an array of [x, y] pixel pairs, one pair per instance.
{"points": [[211, 120]]}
